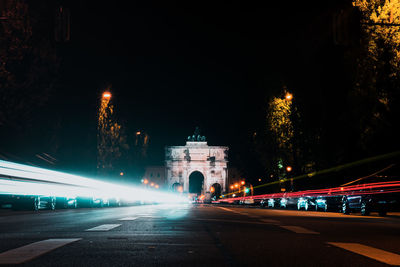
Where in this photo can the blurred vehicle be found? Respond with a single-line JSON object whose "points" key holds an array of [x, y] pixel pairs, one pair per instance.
{"points": [[264, 203], [33, 202], [270, 202], [305, 203], [377, 193], [6, 201], [365, 203], [248, 201], [328, 203], [66, 202], [287, 202], [115, 202], [92, 202]]}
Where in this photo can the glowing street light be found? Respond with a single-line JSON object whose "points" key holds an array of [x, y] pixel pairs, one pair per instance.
{"points": [[107, 95], [145, 181], [151, 184], [288, 96], [242, 182], [236, 185], [232, 187], [212, 189], [157, 186], [121, 173], [288, 168]]}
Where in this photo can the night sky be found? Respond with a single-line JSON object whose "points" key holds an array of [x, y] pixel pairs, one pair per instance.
{"points": [[173, 67]]}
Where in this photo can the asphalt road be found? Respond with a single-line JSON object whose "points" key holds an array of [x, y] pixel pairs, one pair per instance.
{"points": [[196, 235]]}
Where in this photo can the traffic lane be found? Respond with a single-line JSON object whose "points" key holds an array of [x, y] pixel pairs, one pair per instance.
{"points": [[270, 245], [203, 236], [377, 232], [69, 219], [153, 241], [255, 243], [23, 228]]}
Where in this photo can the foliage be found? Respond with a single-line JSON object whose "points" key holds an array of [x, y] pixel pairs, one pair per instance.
{"points": [[28, 64], [377, 81], [279, 122], [112, 141]]}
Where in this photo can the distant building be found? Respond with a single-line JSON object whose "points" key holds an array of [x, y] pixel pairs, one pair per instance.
{"points": [[197, 167], [156, 175]]}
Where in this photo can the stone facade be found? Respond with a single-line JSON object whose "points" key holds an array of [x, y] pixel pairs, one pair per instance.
{"points": [[210, 161]]}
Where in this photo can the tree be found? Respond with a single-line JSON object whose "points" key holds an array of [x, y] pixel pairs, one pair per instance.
{"points": [[280, 125], [375, 95], [28, 64], [111, 139]]}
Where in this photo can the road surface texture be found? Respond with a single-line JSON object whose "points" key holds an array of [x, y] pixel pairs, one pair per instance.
{"points": [[196, 235]]}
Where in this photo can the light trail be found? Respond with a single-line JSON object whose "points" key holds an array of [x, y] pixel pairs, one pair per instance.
{"points": [[28, 180], [363, 189]]}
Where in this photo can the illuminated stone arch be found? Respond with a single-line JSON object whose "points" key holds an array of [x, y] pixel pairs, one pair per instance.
{"points": [[197, 156]]}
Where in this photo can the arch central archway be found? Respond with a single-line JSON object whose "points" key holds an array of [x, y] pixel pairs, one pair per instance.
{"points": [[216, 191], [196, 181]]}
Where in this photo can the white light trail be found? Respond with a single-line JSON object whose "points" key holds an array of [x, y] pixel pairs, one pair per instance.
{"points": [[28, 180]]}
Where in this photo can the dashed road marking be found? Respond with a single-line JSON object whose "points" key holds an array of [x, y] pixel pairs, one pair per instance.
{"points": [[233, 221], [104, 227], [270, 221], [128, 219], [34, 250], [370, 252], [298, 229], [234, 211], [226, 209]]}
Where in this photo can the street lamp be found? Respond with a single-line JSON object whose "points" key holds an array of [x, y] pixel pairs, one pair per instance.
{"points": [[242, 182], [106, 95], [288, 168], [288, 96]]}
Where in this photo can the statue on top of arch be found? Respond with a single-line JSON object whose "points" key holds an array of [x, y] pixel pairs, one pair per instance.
{"points": [[196, 137]]}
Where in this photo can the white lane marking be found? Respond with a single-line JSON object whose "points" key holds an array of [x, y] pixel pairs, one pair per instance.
{"points": [[34, 250], [270, 221], [298, 229], [104, 227], [234, 211], [370, 252], [232, 221], [128, 219], [226, 209]]}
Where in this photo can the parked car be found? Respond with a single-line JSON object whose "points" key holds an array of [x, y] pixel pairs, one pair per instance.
{"points": [[270, 202], [305, 203], [31, 202], [115, 202], [328, 203], [66, 202], [287, 203], [378, 193], [92, 202], [6, 201]]}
